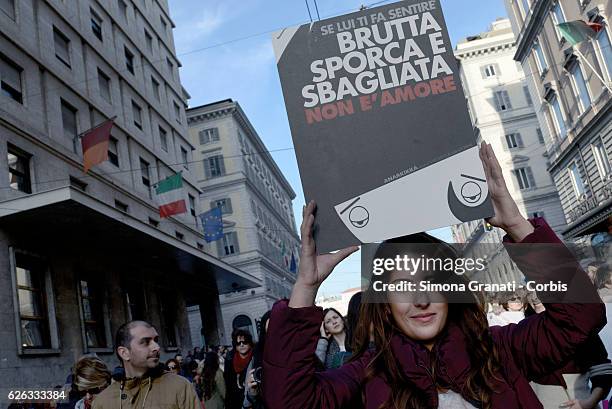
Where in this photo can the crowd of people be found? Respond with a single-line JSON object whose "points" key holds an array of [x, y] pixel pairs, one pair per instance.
{"points": [[524, 350]]}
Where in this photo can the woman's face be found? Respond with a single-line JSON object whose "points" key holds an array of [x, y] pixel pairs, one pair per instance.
{"points": [[416, 315], [173, 367], [515, 304], [91, 394], [333, 323]]}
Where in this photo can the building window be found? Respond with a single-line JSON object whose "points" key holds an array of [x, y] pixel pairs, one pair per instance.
{"points": [[91, 292], [155, 86], [62, 46], [491, 70], [224, 204], [604, 49], [164, 25], [525, 7], [184, 158], [121, 206], [69, 120], [557, 116], [163, 139], [179, 235], [113, 151], [149, 41], [104, 85], [540, 59], [214, 166], [177, 112], [145, 173], [558, 18], [601, 159], [170, 67], [527, 96], [200, 246], [540, 136], [578, 185], [580, 87], [96, 24], [135, 300], [514, 140], [122, 8], [8, 7], [230, 244], [137, 113], [243, 322], [524, 178], [153, 222], [168, 314], [33, 291], [129, 60], [502, 101], [208, 135], [192, 208], [10, 79], [19, 170]]}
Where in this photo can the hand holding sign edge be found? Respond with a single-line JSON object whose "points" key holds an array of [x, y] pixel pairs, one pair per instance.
{"points": [[507, 214], [313, 268]]}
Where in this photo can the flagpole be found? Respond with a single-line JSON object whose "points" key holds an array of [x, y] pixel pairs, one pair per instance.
{"points": [[605, 84]]}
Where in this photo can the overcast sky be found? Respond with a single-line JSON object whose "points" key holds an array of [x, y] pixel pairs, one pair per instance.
{"points": [[226, 52]]}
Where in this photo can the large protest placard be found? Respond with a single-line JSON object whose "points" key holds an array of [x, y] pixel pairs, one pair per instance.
{"points": [[380, 124]]}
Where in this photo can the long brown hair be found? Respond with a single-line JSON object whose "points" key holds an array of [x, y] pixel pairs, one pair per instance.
{"points": [[375, 321]]}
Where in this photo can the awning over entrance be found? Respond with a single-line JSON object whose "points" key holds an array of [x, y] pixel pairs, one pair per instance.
{"points": [[69, 219], [594, 221]]}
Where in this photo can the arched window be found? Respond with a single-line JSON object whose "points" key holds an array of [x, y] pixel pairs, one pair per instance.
{"points": [[245, 323]]}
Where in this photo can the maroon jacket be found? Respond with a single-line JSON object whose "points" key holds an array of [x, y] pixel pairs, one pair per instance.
{"points": [[528, 350]]}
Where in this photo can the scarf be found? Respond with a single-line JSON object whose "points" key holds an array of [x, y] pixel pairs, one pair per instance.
{"points": [[240, 363]]}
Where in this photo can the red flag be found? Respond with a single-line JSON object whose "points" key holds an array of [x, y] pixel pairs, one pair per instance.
{"points": [[95, 144], [597, 27]]}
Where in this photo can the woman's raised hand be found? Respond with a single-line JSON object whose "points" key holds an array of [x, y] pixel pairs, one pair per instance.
{"points": [[507, 215], [313, 269]]}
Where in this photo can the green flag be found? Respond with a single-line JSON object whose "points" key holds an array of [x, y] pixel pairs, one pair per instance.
{"points": [[578, 31]]}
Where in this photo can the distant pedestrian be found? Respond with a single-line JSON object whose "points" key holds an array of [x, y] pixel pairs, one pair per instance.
{"points": [[236, 365], [352, 316], [331, 348], [173, 366], [90, 377], [254, 382], [213, 384]]}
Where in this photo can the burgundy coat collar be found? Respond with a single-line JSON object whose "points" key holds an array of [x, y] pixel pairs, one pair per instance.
{"points": [[447, 365]]}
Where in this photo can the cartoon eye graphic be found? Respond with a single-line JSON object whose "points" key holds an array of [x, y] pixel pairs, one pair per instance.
{"points": [[471, 192], [359, 216]]}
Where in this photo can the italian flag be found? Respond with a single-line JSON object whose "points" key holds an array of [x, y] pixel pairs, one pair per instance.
{"points": [[578, 31], [170, 196]]}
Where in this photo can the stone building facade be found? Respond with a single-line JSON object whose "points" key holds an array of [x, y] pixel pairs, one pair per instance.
{"points": [[235, 172], [572, 91], [82, 253]]}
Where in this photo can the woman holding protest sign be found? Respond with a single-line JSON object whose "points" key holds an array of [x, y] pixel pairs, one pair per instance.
{"points": [[431, 354]]}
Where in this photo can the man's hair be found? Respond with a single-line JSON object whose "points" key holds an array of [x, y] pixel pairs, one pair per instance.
{"points": [[248, 338], [123, 337]]}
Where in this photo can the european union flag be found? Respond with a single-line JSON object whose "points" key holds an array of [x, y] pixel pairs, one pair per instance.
{"points": [[213, 224]]}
